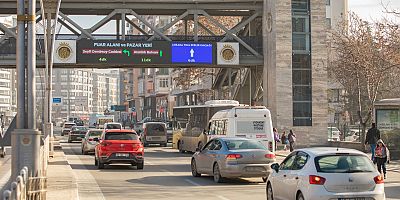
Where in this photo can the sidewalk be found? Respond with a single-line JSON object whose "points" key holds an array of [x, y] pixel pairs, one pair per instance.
{"points": [[61, 182]]}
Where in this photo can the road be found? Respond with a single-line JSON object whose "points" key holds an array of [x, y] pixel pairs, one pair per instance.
{"points": [[166, 175]]}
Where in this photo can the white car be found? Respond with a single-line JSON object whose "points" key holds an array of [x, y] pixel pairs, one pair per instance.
{"points": [[325, 173], [112, 125], [333, 134]]}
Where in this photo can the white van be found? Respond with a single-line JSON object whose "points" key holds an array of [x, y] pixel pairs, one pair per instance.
{"points": [[244, 121]]}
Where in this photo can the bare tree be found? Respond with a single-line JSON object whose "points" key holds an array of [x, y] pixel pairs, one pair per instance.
{"points": [[366, 55]]}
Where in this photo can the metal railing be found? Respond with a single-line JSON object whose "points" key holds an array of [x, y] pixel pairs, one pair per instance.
{"points": [[26, 188], [18, 187]]}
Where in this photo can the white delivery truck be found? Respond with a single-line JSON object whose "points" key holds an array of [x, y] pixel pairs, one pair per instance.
{"points": [[101, 120]]}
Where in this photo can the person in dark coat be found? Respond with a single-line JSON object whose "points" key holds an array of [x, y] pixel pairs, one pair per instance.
{"points": [[292, 140], [373, 135]]}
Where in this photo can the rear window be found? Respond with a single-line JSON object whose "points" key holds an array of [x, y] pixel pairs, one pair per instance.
{"points": [[68, 125], [155, 129], [121, 136], [244, 144], [113, 126], [79, 129], [343, 164], [95, 134], [250, 127]]}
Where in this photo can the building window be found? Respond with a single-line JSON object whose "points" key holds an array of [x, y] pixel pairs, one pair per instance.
{"points": [[328, 2], [301, 63], [328, 23], [163, 82]]}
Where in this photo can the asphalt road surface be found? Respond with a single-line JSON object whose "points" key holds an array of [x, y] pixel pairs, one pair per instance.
{"points": [[166, 175]]}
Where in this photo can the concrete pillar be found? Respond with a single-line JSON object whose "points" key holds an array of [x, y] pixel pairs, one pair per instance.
{"points": [[277, 72]]}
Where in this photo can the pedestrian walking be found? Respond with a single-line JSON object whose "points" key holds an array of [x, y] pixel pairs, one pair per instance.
{"points": [[373, 135], [276, 138], [292, 140], [382, 156], [284, 140]]}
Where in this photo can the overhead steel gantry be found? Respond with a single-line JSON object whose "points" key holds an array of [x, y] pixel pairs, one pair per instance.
{"points": [[247, 32]]}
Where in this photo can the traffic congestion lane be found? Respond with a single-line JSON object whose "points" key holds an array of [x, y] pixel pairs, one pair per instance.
{"points": [[166, 175]]}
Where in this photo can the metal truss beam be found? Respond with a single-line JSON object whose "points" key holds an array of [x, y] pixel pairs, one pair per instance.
{"points": [[227, 31], [169, 25], [136, 26], [239, 26], [69, 20]]}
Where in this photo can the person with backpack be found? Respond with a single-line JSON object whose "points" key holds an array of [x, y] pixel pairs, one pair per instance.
{"points": [[373, 135], [292, 140]]}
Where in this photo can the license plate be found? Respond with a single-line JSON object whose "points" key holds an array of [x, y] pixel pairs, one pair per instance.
{"points": [[155, 138], [254, 169], [356, 198], [122, 155]]}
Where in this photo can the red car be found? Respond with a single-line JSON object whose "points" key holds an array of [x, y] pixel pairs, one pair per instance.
{"points": [[119, 146]]}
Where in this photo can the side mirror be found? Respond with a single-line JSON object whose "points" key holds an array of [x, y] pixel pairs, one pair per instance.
{"points": [[96, 139], [197, 149], [205, 132], [275, 167]]}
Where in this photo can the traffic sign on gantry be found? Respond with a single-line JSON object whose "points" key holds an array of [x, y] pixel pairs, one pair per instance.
{"points": [[122, 52]]}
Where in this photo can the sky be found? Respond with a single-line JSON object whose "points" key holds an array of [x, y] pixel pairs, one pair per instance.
{"points": [[371, 10]]}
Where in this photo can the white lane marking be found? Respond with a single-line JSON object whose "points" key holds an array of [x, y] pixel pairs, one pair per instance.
{"points": [[148, 163], [192, 182], [168, 172], [5, 178], [87, 186], [222, 197], [392, 184]]}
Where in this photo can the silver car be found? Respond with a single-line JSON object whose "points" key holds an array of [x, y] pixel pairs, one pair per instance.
{"points": [[88, 143], [232, 158], [324, 174]]}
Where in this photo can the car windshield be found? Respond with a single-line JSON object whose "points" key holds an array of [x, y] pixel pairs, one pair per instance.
{"points": [[121, 136], [79, 129], [343, 164], [113, 126], [95, 134], [244, 144]]}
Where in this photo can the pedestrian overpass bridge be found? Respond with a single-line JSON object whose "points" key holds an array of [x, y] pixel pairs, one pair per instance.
{"points": [[198, 18]]}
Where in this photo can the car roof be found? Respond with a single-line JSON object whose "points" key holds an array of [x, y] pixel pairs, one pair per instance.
{"points": [[154, 123], [95, 129], [120, 131], [233, 138], [320, 151]]}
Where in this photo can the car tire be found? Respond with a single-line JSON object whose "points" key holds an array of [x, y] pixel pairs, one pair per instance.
{"points": [[270, 193], [193, 167], [200, 145], [140, 165], [69, 141], [180, 147], [164, 145], [100, 165], [217, 174], [95, 161], [264, 179], [300, 196]]}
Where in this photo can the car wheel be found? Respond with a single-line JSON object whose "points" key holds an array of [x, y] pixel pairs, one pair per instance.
{"points": [[95, 161], [270, 193], [194, 168], [100, 165], [264, 179], [217, 174], [200, 145], [140, 165], [164, 145], [180, 147], [300, 196], [69, 141]]}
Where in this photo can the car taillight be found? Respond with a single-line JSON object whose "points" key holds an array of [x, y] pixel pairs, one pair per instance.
{"points": [[233, 156], [378, 179], [270, 156], [90, 139], [140, 149], [316, 180]]}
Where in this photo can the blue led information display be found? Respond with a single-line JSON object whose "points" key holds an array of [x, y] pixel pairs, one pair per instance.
{"points": [[56, 99], [192, 53]]}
